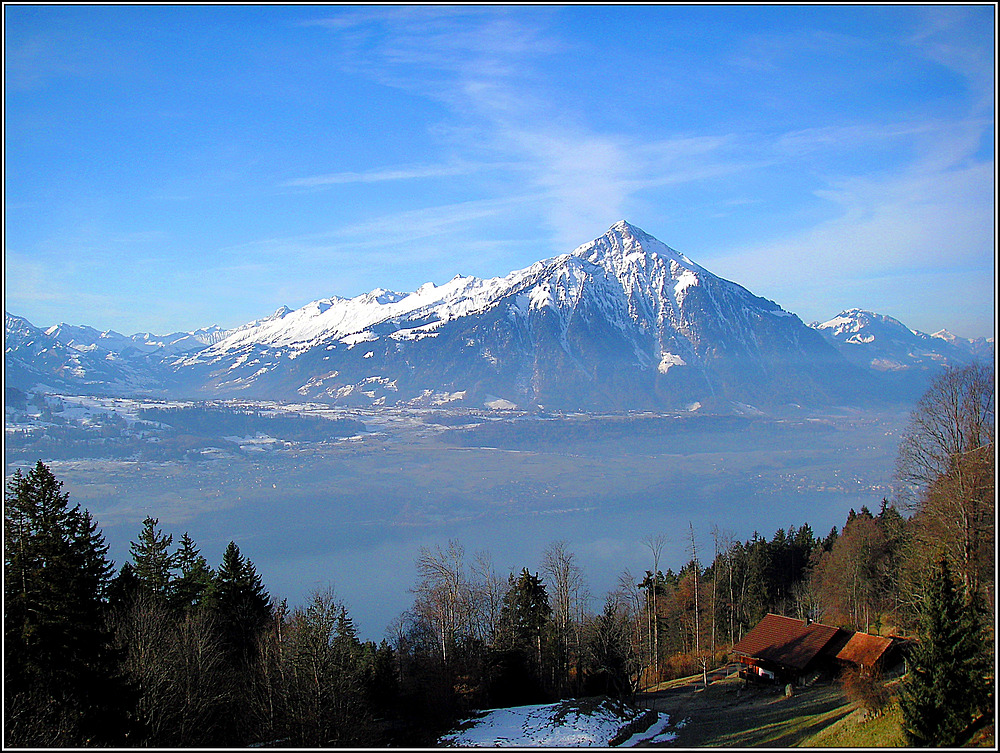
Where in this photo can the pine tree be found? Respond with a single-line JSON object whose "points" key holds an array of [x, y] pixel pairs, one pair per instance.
{"points": [[195, 581], [239, 601], [123, 589], [346, 646], [153, 560], [527, 618], [61, 680], [611, 660], [526, 612], [949, 680]]}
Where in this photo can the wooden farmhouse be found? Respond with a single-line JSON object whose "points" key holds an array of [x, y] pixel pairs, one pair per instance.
{"points": [[866, 652], [784, 649]]}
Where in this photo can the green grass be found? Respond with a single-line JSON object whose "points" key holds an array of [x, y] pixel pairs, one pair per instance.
{"points": [[731, 715], [854, 731]]}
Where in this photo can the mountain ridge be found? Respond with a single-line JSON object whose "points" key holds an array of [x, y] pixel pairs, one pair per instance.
{"points": [[622, 322]]}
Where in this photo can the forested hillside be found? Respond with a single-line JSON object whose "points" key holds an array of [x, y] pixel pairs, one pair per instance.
{"points": [[168, 650]]}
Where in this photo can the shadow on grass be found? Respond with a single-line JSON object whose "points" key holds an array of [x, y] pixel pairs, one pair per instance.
{"points": [[800, 733], [724, 718]]}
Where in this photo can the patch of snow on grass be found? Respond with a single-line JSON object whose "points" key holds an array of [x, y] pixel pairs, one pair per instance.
{"points": [[567, 724], [656, 733]]}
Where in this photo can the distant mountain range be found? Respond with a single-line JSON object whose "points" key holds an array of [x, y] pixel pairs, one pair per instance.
{"points": [[621, 323]]}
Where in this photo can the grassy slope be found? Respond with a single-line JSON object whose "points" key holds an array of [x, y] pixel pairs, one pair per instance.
{"points": [[731, 715], [854, 731], [727, 714]]}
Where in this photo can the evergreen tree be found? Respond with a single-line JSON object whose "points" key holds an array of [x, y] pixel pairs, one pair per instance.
{"points": [[328, 680], [525, 629], [195, 581], [525, 613], [346, 646], [830, 539], [61, 679], [153, 560], [123, 589], [239, 601], [611, 662], [383, 675], [948, 684]]}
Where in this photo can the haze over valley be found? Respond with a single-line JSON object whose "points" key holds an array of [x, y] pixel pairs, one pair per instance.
{"points": [[318, 513]]}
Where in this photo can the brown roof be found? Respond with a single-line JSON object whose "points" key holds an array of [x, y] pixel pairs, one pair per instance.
{"points": [[864, 649], [786, 641]]}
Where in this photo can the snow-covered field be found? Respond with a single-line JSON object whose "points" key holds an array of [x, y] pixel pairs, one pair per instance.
{"points": [[574, 723]]}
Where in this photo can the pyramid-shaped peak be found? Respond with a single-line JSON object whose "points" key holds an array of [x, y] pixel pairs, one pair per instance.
{"points": [[623, 226], [624, 243], [628, 231]]}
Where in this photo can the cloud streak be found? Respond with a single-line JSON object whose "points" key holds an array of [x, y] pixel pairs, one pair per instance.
{"points": [[484, 67], [416, 172]]}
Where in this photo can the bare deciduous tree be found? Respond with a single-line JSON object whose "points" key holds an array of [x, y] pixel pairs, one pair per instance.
{"points": [[697, 570], [177, 667], [488, 590], [567, 596], [947, 461], [848, 577], [444, 594], [628, 599], [655, 545]]}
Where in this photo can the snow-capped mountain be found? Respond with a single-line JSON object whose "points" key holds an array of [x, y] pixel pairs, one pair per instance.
{"points": [[40, 359], [86, 339], [622, 322], [884, 344], [78, 358]]}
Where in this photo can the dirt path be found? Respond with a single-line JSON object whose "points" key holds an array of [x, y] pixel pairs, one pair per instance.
{"points": [[730, 713]]}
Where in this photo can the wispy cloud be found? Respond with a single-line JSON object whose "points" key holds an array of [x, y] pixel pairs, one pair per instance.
{"points": [[401, 250], [483, 65], [415, 172], [26, 279], [933, 217], [379, 237], [39, 59], [866, 153], [947, 37]]}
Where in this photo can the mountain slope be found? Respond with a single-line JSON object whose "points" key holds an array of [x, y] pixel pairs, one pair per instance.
{"points": [[622, 322], [35, 358], [905, 358]]}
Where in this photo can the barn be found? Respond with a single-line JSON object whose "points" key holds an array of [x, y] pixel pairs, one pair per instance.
{"points": [[866, 652], [785, 649]]}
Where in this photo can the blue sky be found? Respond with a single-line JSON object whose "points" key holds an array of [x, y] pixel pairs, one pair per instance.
{"points": [[171, 167]]}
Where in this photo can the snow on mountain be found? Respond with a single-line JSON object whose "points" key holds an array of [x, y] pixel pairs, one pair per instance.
{"points": [[87, 339], [980, 347], [885, 344], [72, 358], [621, 322], [636, 279], [36, 358], [338, 318]]}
